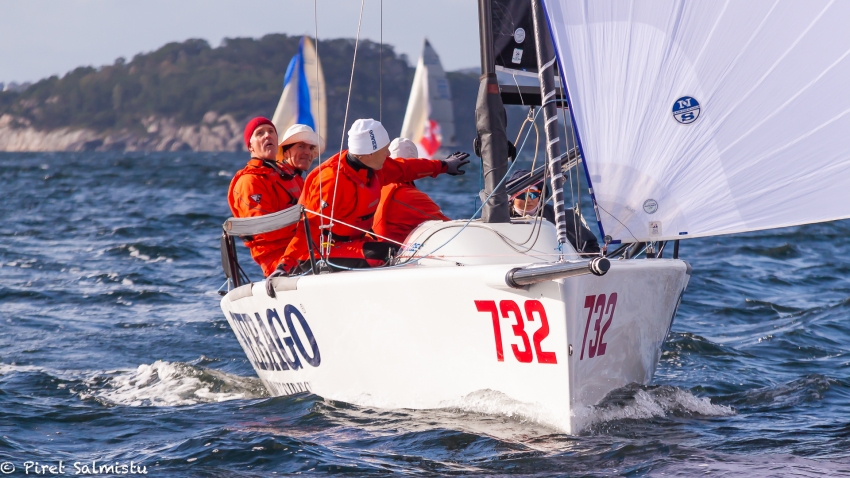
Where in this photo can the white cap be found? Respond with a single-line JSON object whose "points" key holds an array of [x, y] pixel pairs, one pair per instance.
{"points": [[301, 133], [367, 136], [403, 148]]}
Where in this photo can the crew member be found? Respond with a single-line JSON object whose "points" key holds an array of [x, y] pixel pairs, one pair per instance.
{"points": [[527, 203], [272, 182], [403, 206], [347, 187]]}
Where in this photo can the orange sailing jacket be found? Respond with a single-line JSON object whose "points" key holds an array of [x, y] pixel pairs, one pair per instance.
{"points": [[402, 208], [358, 192], [265, 187]]}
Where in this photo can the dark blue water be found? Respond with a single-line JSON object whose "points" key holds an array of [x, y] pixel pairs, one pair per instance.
{"points": [[114, 349]]}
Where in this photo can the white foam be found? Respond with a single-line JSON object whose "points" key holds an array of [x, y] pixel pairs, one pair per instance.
{"points": [[135, 252], [651, 403], [172, 384], [491, 402], [642, 404]]}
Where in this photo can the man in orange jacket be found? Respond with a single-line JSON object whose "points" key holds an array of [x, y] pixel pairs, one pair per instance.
{"points": [[403, 207], [347, 187], [271, 182]]}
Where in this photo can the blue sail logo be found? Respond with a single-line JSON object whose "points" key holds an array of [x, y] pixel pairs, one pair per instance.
{"points": [[686, 110]]}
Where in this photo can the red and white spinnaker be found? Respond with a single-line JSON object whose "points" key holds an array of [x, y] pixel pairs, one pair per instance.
{"points": [[429, 119]]}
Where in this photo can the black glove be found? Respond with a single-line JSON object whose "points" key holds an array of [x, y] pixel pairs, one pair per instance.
{"points": [[278, 272], [454, 163]]}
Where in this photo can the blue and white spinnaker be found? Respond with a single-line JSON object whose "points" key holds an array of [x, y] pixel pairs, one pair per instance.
{"points": [[303, 99]]}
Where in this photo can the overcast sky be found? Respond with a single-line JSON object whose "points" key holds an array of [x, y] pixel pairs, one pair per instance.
{"points": [[40, 38]]}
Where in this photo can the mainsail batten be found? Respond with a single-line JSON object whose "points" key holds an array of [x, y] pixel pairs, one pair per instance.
{"points": [[702, 118]]}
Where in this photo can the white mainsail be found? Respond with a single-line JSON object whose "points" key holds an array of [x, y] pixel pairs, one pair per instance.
{"points": [[303, 99], [706, 117], [429, 119]]}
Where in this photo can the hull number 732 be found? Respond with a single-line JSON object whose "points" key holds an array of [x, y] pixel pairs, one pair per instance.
{"points": [[511, 310], [603, 310]]}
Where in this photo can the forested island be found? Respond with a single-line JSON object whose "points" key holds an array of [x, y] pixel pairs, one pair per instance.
{"points": [[191, 96]]}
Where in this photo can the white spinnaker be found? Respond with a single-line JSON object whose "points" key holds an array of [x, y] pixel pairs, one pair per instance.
{"points": [[430, 99], [771, 145], [416, 115]]}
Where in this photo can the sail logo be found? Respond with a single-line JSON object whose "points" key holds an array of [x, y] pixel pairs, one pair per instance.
{"points": [[517, 56], [519, 35], [274, 343], [686, 110], [650, 206]]}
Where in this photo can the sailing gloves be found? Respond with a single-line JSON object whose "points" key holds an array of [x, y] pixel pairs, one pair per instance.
{"points": [[279, 272], [454, 163]]}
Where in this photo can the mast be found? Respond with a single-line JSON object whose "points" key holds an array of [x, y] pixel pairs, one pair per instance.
{"points": [[490, 123], [546, 74]]}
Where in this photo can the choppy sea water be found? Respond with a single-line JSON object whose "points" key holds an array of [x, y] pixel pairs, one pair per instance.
{"points": [[114, 350]]}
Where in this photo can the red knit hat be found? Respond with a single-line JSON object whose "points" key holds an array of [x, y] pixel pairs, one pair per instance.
{"points": [[254, 124]]}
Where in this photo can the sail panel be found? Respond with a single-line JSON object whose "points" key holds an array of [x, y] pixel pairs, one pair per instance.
{"points": [[707, 117], [303, 98], [315, 77], [429, 118], [416, 115], [513, 37]]}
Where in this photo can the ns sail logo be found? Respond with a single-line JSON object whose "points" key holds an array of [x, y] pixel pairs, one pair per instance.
{"points": [[686, 110], [273, 342]]}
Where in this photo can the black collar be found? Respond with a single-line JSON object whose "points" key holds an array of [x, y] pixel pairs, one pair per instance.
{"points": [[357, 165]]}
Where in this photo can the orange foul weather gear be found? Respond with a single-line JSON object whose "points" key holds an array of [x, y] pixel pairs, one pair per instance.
{"points": [[265, 187], [358, 191], [402, 208]]}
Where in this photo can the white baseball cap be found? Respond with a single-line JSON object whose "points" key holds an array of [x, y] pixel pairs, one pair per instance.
{"points": [[301, 133], [367, 136]]}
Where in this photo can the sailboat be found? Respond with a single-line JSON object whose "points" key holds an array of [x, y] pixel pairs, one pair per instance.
{"points": [[303, 99], [429, 118], [692, 119]]}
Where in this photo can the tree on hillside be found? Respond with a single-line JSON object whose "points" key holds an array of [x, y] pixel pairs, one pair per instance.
{"points": [[243, 77]]}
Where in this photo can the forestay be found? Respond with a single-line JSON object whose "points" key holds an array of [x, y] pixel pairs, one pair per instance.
{"points": [[706, 117]]}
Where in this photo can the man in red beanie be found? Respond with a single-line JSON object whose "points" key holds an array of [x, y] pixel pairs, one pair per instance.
{"points": [[263, 187]]}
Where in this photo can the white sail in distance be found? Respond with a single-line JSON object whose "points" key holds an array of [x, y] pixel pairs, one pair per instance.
{"points": [[303, 99], [707, 117], [429, 118]]}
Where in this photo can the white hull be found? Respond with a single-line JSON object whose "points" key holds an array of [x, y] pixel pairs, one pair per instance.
{"points": [[424, 336]]}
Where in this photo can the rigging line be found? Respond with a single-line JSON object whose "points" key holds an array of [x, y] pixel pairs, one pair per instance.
{"points": [[499, 184], [318, 106], [517, 90], [576, 205], [615, 218], [538, 223], [371, 233], [531, 173], [381, 70], [414, 259], [345, 120]]}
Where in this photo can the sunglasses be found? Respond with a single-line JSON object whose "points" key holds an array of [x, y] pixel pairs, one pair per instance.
{"points": [[528, 195]]}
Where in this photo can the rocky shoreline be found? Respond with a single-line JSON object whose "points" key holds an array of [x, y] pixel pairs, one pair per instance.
{"points": [[215, 132]]}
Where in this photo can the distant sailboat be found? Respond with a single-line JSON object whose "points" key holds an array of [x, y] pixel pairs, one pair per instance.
{"points": [[303, 100], [429, 119]]}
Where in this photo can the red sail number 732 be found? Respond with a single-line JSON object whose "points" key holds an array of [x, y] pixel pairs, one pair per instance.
{"points": [[511, 310]]}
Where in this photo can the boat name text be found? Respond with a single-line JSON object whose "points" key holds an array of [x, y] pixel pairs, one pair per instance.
{"points": [[275, 343]]}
